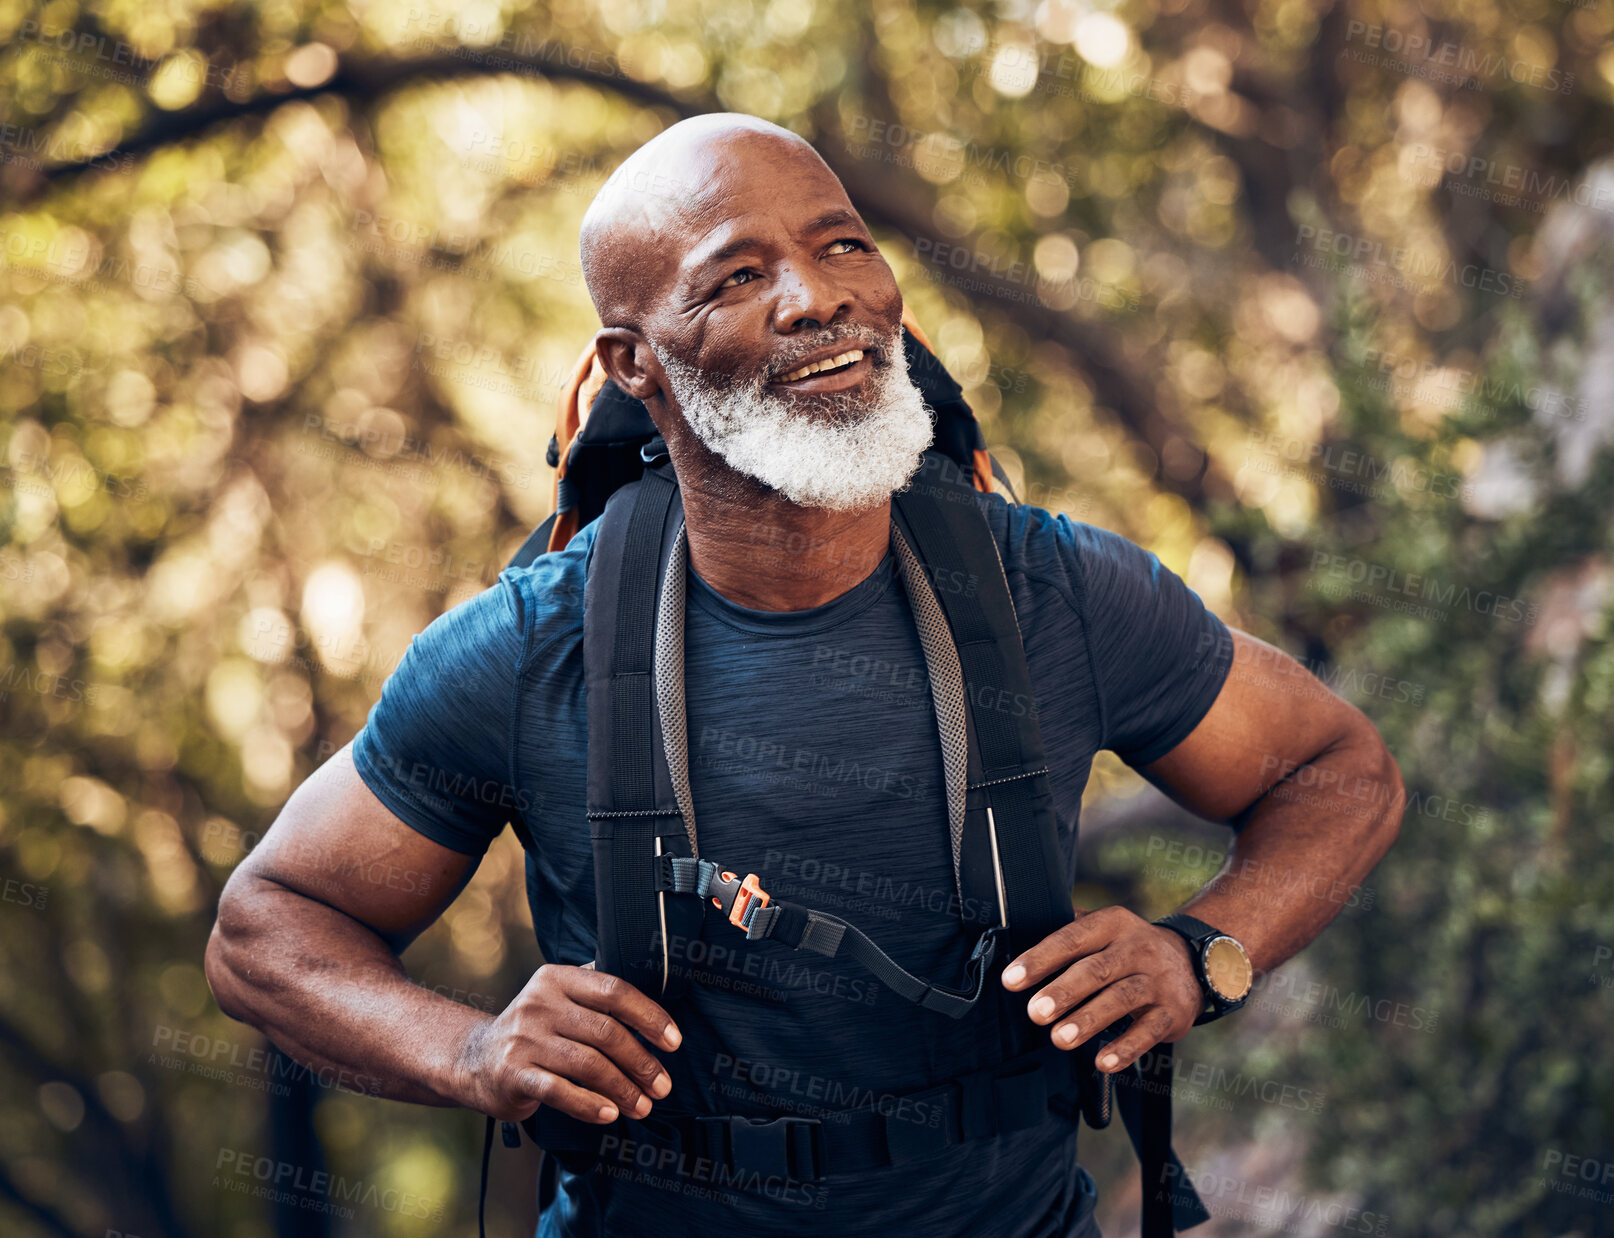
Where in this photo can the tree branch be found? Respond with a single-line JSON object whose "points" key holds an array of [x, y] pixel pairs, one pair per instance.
{"points": [[886, 199], [365, 82]]}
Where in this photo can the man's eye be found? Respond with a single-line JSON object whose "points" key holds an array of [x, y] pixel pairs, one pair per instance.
{"points": [[850, 244], [735, 280]]}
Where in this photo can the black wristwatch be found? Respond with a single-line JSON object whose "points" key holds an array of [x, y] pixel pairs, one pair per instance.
{"points": [[1220, 962]]}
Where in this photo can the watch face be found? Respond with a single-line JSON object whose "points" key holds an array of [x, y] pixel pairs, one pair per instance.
{"points": [[1228, 969]]}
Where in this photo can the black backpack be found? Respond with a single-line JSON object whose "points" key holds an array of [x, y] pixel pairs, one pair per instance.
{"points": [[652, 887]]}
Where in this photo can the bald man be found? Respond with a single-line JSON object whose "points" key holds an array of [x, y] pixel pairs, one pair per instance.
{"points": [[745, 303]]}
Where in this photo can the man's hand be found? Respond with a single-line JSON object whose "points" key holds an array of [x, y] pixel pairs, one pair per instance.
{"points": [[564, 1042], [306, 948], [1107, 964]]}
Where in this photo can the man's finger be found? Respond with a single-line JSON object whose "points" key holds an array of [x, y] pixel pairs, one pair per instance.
{"points": [[615, 996], [1149, 1028], [612, 1039], [1126, 995], [584, 1065], [1089, 932], [537, 1086], [1083, 978]]}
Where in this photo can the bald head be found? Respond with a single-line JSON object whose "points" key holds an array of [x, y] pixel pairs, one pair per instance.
{"points": [[671, 191]]}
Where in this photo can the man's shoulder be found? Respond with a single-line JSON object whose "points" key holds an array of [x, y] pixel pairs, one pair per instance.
{"points": [[546, 596], [1051, 554]]}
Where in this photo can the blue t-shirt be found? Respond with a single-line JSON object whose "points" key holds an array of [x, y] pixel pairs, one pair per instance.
{"points": [[814, 763]]}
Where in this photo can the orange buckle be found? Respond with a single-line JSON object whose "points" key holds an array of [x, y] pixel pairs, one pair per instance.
{"points": [[749, 889]]}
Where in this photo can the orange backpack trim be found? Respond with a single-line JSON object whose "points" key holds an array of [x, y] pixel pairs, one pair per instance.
{"points": [[588, 376]]}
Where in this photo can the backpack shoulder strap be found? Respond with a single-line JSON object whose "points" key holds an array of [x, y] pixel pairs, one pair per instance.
{"points": [[1009, 785], [536, 544], [633, 810], [1009, 792]]}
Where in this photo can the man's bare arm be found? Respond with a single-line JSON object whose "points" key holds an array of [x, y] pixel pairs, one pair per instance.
{"points": [[1317, 800], [1306, 780], [306, 949]]}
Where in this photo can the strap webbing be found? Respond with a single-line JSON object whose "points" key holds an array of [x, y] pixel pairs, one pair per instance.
{"points": [[536, 544], [1154, 1148], [1170, 1201], [482, 1198], [1016, 1094], [633, 657], [822, 933], [1013, 1095]]}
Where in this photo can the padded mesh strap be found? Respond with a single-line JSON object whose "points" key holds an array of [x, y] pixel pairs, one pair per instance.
{"points": [[630, 800], [670, 680], [953, 541], [946, 692]]}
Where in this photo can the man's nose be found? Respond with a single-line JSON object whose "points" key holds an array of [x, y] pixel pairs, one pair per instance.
{"points": [[808, 298]]}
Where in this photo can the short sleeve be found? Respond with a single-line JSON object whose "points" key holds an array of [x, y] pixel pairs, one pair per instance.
{"points": [[436, 747], [1160, 656]]}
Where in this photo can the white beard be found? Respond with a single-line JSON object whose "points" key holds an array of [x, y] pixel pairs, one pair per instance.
{"points": [[839, 450]]}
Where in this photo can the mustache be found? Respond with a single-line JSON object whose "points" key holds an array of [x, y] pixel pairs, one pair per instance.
{"points": [[793, 352]]}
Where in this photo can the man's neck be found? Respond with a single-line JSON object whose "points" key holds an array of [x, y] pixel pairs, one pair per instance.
{"points": [[773, 554]]}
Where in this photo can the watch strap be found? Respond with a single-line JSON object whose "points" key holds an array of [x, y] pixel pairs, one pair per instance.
{"points": [[1197, 934]]}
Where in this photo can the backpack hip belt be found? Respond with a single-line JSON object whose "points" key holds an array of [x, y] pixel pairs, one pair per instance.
{"points": [[809, 1147]]}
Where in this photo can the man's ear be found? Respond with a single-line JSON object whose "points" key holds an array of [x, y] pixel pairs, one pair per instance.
{"points": [[630, 362]]}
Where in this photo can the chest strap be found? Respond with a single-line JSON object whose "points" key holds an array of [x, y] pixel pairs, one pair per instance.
{"points": [[747, 905]]}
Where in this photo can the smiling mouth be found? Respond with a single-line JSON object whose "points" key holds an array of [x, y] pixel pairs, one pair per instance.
{"points": [[829, 365]]}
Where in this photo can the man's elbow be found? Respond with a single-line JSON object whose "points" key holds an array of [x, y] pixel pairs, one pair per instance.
{"points": [[223, 947], [1387, 823]]}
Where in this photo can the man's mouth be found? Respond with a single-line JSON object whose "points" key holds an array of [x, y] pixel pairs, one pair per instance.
{"points": [[838, 364]]}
